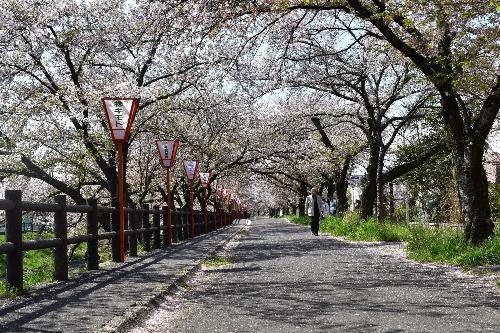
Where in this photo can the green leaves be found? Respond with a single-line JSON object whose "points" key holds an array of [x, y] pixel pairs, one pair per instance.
{"points": [[495, 4]]}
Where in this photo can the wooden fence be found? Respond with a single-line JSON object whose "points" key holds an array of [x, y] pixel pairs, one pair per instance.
{"points": [[150, 224]]}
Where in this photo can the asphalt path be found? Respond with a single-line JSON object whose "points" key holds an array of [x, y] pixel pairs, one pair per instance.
{"points": [[283, 279], [102, 300]]}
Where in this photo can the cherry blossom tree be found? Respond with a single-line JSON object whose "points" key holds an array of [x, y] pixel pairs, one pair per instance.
{"points": [[59, 58], [455, 46]]}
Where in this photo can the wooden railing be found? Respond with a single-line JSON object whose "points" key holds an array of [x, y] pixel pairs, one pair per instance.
{"points": [[154, 233]]}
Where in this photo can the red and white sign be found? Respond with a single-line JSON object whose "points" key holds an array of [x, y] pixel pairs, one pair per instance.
{"points": [[167, 149], [120, 113], [191, 168], [204, 179]]}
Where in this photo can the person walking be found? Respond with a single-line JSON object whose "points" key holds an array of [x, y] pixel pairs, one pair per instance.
{"points": [[314, 209]]}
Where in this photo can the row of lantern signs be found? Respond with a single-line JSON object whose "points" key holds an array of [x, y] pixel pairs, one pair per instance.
{"points": [[167, 150], [120, 113]]}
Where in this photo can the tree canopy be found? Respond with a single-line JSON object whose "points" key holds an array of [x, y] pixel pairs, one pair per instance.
{"points": [[273, 97]]}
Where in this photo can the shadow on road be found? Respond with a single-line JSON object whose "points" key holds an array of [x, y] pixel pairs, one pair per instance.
{"points": [[94, 297], [283, 274]]}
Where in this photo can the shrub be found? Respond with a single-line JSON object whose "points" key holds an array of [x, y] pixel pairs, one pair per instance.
{"points": [[298, 219]]}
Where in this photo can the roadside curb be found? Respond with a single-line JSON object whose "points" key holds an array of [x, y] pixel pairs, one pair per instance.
{"points": [[142, 308]]}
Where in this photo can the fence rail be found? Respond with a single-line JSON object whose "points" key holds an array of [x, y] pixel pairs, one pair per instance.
{"points": [[155, 234]]}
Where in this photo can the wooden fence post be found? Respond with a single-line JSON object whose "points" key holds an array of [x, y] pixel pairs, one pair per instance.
{"points": [[146, 236], [61, 232], [178, 216], [182, 228], [185, 224], [180, 224], [197, 223], [132, 239], [201, 229], [115, 241], [175, 219], [92, 229], [156, 224], [14, 234], [165, 226], [169, 231]]}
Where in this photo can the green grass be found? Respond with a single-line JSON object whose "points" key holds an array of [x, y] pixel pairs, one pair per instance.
{"points": [[215, 261], [38, 265], [298, 219], [448, 246], [353, 228], [423, 244]]}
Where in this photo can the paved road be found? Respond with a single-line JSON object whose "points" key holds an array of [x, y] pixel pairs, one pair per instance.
{"points": [[98, 299], [283, 279]]}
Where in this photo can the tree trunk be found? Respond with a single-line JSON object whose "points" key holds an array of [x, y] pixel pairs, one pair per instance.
{"points": [[341, 186], [330, 188], [468, 150], [302, 209], [380, 204], [391, 201], [473, 194], [369, 194], [342, 201]]}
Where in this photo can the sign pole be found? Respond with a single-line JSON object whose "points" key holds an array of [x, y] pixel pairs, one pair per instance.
{"points": [[120, 114], [205, 183], [192, 210], [169, 210], [167, 150], [191, 169], [120, 202], [205, 208]]}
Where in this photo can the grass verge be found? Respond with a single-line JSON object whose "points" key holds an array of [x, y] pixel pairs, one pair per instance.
{"points": [[38, 265], [215, 261], [423, 244]]}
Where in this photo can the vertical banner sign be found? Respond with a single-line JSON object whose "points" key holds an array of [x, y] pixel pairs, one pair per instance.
{"points": [[167, 150], [205, 181], [120, 114], [191, 168]]}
